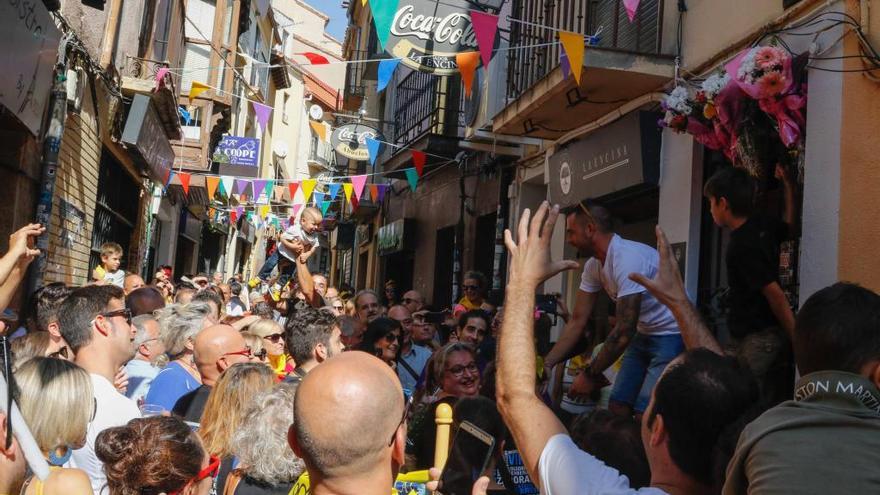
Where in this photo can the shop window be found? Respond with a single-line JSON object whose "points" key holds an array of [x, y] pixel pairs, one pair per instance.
{"points": [[116, 209]]}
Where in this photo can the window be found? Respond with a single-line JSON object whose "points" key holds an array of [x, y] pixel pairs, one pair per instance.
{"points": [[196, 61], [163, 27], [200, 23], [116, 210]]}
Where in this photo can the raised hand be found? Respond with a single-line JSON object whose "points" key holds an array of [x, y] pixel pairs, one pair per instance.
{"points": [[530, 255], [21, 242], [667, 286]]}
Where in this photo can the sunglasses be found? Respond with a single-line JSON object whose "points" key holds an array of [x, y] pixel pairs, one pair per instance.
{"points": [[274, 338], [60, 353], [470, 287], [119, 312], [392, 337], [409, 403], [407, 300], [211, 470]]}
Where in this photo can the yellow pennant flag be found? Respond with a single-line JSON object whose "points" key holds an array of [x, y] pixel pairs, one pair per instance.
{"points": [[319, 129], [573, 44], [467, 65], [363, 2], [196, 89], [348, 189], [264, 211], [307, 187], [212, 183]]}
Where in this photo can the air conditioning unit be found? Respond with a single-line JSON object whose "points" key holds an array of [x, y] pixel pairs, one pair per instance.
{"points": [[75, 86]]}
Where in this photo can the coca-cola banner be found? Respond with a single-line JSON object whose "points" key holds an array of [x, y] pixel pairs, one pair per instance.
{"points": [[350, 140], [427, 34]]}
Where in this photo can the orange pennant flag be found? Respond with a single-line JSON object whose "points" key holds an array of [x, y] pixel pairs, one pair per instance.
{"points": [[374, 192], [196, 89], [319, 129], [467, 65], [184, 181], [573, 44], [212, 183]]}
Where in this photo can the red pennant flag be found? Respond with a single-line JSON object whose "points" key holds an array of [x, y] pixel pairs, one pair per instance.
{"points": [[232, 217], [419, 159], [485, 28], [314, 58], [184, 181], [293, 187]]}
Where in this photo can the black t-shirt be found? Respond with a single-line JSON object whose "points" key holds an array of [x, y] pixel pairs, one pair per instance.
{"points": [[191, 406], [752, 263]]}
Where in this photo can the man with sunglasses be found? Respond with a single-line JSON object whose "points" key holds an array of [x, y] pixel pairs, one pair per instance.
{"points": [[216, 348], [413, 301], [97, 327], [413, 358]]}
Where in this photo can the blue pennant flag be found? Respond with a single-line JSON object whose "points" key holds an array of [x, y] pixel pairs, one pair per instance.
{"points": [[386, 70]]}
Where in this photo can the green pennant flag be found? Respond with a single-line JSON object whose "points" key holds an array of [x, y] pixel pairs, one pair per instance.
{"points": [[325, 205], [383, 16], [412, 176]]}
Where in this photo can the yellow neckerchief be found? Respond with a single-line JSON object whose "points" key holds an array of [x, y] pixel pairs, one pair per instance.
{"points": [[411, 483]]}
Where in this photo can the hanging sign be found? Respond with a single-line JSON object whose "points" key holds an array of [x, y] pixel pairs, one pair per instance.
{"points": [[350, 140], [427, 34], [239, 156]]}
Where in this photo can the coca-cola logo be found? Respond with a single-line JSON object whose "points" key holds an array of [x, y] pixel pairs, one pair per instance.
{"points": [[348, 135], [453, 29], [350, 140]]}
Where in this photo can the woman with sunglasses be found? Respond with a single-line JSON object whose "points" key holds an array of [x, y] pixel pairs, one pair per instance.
{"points": [[57, 402], [382, 339], [254, 342], [154, 455], [272, 336]]}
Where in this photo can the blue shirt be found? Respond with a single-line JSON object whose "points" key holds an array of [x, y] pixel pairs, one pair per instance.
{"points": [[140, 376], [417, 358], [172, 383]]}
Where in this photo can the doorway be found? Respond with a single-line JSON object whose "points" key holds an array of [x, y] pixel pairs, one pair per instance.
{"points": [[443, 267]]}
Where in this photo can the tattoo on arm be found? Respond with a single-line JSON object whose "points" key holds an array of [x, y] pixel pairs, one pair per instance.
{"points": [[628, 309]]}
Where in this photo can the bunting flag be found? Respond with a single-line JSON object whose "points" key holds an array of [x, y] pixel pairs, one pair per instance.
{"points": [[270, 188], [184, 181], [307, 186], [196, 89], [413, 178], [383, 15], [631, 7], [319, 129], [212, 183], [226, 185], [374, 193], [185, 115], [325, 205], [278, 193], [293, 211], [239, 211], [386, 70], [564, 65], [262, 112], [259, 186], [381, 188], [317, 198], [485, 28], [467, 64], [241, 186], [333, 190], [233, 216], [354, 202], [419, 159], [347, 189], [358, 182], [168, 177], [373, 149], [573, 44], [315, 58], [264, 211], [160, 77], [293, 186]]}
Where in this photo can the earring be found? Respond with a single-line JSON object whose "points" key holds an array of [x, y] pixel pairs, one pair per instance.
{"points": [[56, 460]]}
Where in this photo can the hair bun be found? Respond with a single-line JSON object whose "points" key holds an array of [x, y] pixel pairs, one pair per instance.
{"points": [[115, 444]]}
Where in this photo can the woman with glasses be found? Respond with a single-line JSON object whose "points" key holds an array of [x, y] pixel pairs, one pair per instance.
{"points": [[254, 342], [154, 455], [382, 339], [272, 340], [57, 402], [230, 398]]}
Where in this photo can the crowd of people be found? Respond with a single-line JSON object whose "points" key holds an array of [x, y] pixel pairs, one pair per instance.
{"points": [[219, 385]]}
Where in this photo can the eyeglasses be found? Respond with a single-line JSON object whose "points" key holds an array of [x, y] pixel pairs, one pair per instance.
{"points": [[246, 352], [458, 371], [60, 353], [470, 287], [200, 282], [339, 308], [274, 338], [406, 408], [478, 331], [119, 312], [211, 470], [392, 337]]}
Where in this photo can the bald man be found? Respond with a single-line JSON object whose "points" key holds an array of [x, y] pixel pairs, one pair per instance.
{"points": [[132, 282], [216, 348], [333, 403], [413, 301], [144, 301]]}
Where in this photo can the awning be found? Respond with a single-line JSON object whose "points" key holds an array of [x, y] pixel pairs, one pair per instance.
{"points": [[321, 91]]}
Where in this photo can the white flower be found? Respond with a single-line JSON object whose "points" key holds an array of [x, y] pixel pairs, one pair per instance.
{"points": [[746, 67], [714, 84], [678, 100]]}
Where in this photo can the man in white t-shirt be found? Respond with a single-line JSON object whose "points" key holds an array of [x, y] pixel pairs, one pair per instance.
{"points": [[645, 332], [696, 398], [97, 327]]}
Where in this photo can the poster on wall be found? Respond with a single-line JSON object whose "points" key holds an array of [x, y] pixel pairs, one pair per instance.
{"points": [[238, 156], [427, 34], [350, 140]]}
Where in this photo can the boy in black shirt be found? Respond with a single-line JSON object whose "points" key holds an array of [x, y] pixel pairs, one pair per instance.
{"points": [[760, 315]]}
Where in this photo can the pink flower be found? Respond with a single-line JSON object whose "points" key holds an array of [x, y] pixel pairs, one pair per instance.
{"points": [[767, 56], [771, 84]]}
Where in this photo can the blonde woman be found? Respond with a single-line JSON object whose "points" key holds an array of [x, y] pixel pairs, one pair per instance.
{"points": [[57, 402], [259, 354], [230, 399], [273, 341]]}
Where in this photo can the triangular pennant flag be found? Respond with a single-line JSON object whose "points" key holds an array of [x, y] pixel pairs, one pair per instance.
{"points": [[262, 112], [184, 181], [325, 205], [319, 128], [467, 64], [374, 193], [196, 89], [315, 58], [347, 189], [264, 211], [233, 216], [333, 190], [381, 188], [293, 186], [270, 188], [358, 181], [241, 186], [631, 7], [212, 183], [160, 77], [354, 204], [573, 44], [413, 178], [386, 70], [308, 186], [373, 150], [226, 185], [293, 211], [168, 176], [419, 159], [564, 65], [239, 211], [383, 15], [259, 185], [278, 193], [485, 27], [317, 198]]}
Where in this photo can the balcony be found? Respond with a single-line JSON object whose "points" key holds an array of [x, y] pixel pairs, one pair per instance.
{"points": [[139, 76], [626, 61]]}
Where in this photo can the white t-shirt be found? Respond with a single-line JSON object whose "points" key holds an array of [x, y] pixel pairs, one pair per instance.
{"points": [[565, 469], [116, 278], [113, 409], [625, 257], [295, 231]]}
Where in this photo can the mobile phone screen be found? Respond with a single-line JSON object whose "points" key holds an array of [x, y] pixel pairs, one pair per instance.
{"points": [[471, 450]]}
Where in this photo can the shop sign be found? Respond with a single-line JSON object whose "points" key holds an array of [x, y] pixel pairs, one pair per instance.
{"points": [[427, 34], [626, 153], [27, 62], [350, 140], [236, 150], [145, 137], [392, 238]]}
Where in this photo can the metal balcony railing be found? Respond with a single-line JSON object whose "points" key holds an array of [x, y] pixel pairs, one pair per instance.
{"points": [[426, 104], [144, 68], [354, 74], [535, 59]]}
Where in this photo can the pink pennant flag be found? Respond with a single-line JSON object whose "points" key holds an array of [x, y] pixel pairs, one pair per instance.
{"points": [[631, 7], [358, 181], [262, 113], [160, 77], [294, 209], [485, 28]]}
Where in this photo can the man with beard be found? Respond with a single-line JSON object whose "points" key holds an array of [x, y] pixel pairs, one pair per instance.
{"points": [[149, 349], [312, 337], [366, 303]]}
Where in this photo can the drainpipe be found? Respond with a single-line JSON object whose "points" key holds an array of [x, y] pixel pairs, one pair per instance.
{"points": [[459, 239], [49, 164]]}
